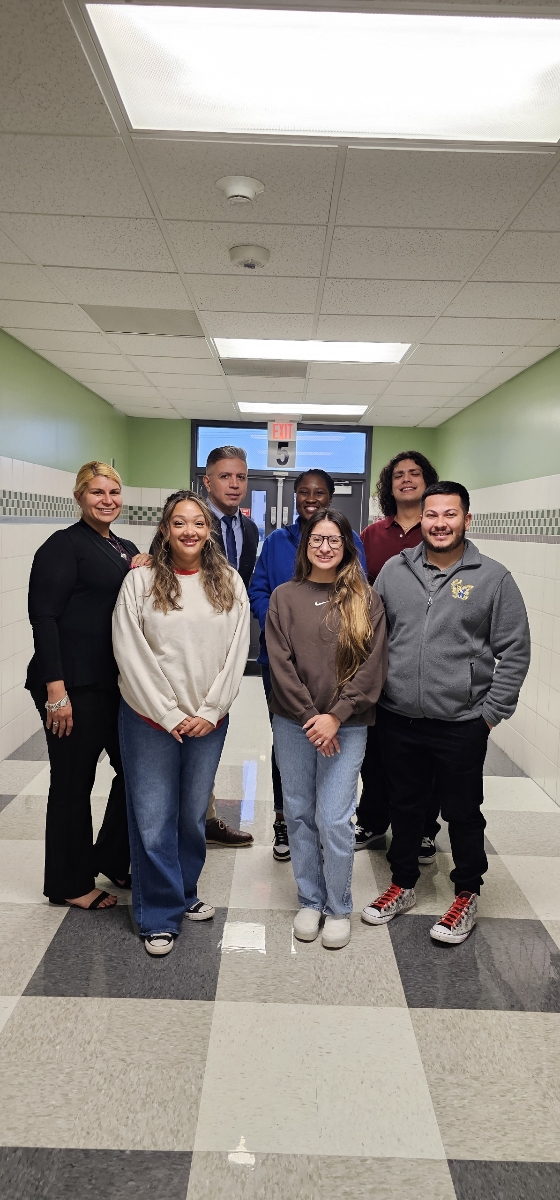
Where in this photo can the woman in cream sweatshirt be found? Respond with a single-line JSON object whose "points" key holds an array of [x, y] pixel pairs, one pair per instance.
{"points": [[180, 638]]}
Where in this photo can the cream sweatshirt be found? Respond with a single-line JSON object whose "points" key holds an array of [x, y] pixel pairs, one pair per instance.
{"points": [[184, 663]]}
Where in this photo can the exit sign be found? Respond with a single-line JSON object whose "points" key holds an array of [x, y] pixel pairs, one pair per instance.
{"points": [[282, 444]]}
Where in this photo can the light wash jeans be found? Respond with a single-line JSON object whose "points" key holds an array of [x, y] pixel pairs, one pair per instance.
{"points": [[319, 801], [168, 787]]}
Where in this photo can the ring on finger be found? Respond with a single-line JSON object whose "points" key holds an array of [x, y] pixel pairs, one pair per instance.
{"points": [[319, 743]]}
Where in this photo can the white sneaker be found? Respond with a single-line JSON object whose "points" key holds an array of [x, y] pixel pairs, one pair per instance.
{"points": [[200, 911], [394, 901], [336, 932], [159, 943], [306, 924], [458, 921]]}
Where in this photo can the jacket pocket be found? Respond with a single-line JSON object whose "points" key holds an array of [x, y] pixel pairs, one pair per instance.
{"points": [[470, 683]]}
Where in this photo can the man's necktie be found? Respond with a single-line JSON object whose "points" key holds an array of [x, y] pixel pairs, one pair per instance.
{"points": [[231, 548]]}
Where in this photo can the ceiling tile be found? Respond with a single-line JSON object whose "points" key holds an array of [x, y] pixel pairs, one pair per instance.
{"points": [[258, 325], [75, 360], [545, 333], [157, 365], [45, 82], [69, 175], [295, 250], [9, 252], [198, 395], [27, 283], [221, 293], [363, 371], [543, 210], [492, 379], [483, 331], [372, 329], [187, 382], [162, 414], [143, 289], [436, 418], [23, 314], [405, 253], [534, 300], [161, 346], [113, 242], [121, 391], [434, 190], [198, 411], [437, 374], [386, 297], [401, 387], [277, 398], [346, 387], [55, 340], [260, 383], [479, 356], [396, 416], [474, 390], [524, 258], [130, 378], [297, 180], [527, 355]]}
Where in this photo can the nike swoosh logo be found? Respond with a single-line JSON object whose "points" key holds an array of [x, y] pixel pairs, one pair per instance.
{"points": [[319, 603]]}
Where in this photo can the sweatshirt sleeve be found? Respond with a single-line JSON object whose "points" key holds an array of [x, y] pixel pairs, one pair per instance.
{"points": [[286, 684], [139, 669], [260, 590], [361, 552], [510, 643], [364, 688], [226, 684], [52, 581]]}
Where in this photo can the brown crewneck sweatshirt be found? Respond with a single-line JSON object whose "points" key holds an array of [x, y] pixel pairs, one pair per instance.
{"points": [[302, 654]]}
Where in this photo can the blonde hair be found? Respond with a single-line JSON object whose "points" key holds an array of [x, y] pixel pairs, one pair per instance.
{"points": [[349, 597], [91, 470], [216, 575]]}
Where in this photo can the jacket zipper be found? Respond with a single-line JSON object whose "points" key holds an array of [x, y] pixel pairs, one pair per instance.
{"points": [[471, 670]]}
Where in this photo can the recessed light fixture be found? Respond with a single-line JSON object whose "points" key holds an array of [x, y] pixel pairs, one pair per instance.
{"points": [[271, 71], [335, 352], [312, 410]]}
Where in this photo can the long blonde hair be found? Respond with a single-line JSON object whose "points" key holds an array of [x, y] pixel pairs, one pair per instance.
{"points": [[349, 597], [91, 470], [217, 577]]}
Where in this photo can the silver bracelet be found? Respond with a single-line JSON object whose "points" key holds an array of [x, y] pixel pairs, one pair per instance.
{"points": [[52, 708]]}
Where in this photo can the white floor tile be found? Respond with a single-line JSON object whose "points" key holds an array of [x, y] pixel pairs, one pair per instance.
{"points": [[539, 880], [7, 1005], [516, 794], [21, 872]]}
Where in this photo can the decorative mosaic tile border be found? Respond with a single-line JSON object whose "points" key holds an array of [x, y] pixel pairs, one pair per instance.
{"points": [[534, 523]]}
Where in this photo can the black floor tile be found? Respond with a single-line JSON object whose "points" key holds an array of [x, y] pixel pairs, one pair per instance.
{"points": [[5, 800], [511, 965], [499, 763], [33, 750], [98, 954], [27, 1173], [505, 1180]]}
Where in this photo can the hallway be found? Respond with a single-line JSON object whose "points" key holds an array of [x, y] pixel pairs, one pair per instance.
{"points": [[248, 1066]]}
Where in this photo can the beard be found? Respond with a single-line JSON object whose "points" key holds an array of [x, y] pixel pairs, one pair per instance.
{"points": [[437, 548]]}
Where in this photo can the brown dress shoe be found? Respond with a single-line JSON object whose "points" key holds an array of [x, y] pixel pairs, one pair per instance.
{"points": [[220, 834]]}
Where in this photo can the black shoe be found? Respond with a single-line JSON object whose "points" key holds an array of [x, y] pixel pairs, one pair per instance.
{"points": [[427, 851], [281, 847], [365, 837]]}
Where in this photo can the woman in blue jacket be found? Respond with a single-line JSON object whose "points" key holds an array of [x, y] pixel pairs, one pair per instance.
{"points": [[314, 490]]}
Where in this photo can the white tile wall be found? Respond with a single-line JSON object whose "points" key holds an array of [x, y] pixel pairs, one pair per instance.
{"points": [[532, 736]]}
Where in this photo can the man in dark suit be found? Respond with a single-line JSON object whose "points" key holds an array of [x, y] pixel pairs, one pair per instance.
{"points": [[226, 481]]}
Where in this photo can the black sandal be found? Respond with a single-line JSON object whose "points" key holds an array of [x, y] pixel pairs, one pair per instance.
{"points": [[94, 904], [123, 886]]}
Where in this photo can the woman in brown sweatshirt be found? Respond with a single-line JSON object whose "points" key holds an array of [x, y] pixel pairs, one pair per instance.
{"points": [[326, 641]]}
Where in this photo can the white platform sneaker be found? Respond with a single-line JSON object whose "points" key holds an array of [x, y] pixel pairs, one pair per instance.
{"points": [[336, 932], [306, 924]]}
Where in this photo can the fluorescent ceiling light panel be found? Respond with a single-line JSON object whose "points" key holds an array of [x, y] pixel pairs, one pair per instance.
{"points": [[235, 70], [336, 352], [314, 410]]}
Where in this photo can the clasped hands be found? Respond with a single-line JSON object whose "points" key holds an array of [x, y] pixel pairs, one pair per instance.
{"points": [[192, 727], [322, 731]]}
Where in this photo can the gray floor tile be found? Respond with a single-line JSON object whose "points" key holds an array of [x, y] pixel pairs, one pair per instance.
{"points": [[34, 749], [27, 930], [504, 964], [229, 811], [505, 1180], [5, 800], [497, 762], [262, 961], [50, 1174], [241, 1175], [98, 954]]}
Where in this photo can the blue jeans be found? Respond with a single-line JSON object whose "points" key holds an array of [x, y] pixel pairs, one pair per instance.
{"points": [[319, 802], [168, 787]]}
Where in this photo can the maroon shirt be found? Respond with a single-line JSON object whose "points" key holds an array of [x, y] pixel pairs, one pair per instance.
{"points": [[383, 540]]}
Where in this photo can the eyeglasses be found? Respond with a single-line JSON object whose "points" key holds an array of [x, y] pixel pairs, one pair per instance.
{"points": [[316, 540]]}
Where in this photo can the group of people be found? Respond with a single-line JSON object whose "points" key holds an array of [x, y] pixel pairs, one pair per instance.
{"points": [[392, 654]]}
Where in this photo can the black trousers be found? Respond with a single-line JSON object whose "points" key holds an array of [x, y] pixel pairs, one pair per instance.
{"points": [[373, 813], [420, 754], [276, 780], [71, 859]]}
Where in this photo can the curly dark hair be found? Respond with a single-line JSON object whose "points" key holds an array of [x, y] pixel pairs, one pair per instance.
{"points": [[384, 486]]}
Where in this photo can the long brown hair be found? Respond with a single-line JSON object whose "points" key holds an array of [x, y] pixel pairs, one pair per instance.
{"points": [[349, 596], [215, 572]]}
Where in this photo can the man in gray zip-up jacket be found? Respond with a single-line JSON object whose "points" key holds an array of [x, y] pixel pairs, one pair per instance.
{"points": [[451, 613]]}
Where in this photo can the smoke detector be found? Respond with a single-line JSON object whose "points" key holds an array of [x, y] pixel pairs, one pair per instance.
{"points": [[240, 189], [249, 256]]}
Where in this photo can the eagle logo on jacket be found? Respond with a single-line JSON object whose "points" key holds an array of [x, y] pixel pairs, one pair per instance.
{"points": [[460, 590]]}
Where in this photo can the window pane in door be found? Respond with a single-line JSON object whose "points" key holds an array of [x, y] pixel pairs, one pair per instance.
{"points": [[258, 515]]}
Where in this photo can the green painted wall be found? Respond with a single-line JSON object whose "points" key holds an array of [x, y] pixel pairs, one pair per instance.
{"points": [[512, 433], [159, 453], [389, 440], [48, 418]]}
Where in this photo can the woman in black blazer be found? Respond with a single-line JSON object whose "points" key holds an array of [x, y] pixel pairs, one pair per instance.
{"points": [[75, 580]]}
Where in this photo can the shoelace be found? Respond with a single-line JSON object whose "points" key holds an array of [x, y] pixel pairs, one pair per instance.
{"points": [[454, 914], [392, 893], [281, 832]]}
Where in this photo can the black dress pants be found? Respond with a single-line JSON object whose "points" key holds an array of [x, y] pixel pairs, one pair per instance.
{"points": [[420, 754], [71, 859], [276, 780], [373, 813]]}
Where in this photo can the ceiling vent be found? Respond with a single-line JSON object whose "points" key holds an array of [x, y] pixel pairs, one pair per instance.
{"points": [[164, 321], [264, 368], [249, 256], [240, 189]]}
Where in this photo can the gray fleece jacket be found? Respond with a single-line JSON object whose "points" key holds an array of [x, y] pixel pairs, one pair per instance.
{"points": [[443, 647]]}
